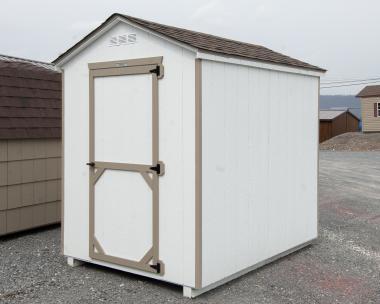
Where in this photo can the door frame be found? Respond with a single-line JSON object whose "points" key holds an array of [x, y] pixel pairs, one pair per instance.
{"points": [[150, 173]]}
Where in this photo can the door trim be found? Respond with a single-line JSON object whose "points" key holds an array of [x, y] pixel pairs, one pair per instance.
{"points": [[153, 66], [125, 63]]}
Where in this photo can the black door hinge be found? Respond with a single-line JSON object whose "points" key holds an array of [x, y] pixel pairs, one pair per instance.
{"points": [[156, 267], [156, 168], [156, 70], [91, 164]]}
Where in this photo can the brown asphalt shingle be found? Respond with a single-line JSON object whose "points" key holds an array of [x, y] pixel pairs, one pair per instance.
{"points": [[370, 91], [30, 100], [208, 43]]}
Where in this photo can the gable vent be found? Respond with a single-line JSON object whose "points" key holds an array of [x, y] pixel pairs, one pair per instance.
{"points": [[122, 39], [132, 38], [113, 41]]}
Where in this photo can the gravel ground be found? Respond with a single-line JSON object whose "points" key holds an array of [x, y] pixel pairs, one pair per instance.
{"points": [[342, 267], [353, 141]]}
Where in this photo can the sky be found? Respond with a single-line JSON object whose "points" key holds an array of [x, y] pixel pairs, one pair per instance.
{"points": [[342, 36]]}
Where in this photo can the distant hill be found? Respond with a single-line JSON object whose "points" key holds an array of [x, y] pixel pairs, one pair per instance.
{"points": [[341, 101]]}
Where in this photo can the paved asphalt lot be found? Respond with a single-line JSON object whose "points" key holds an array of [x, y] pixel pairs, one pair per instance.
{"points": [[342, 267]]}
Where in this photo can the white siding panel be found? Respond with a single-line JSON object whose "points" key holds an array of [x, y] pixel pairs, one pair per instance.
{"points": [[259, 165], [177, 127]]}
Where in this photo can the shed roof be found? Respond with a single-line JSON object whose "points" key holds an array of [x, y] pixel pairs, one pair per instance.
{"points": [[355, 112], [206, 42], [330, 114], [370, 91], [30, 99], [45, 65]]}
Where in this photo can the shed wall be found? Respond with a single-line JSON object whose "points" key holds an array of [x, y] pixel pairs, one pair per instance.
{"points": [[339, 125], [29, 183], [177, 137], [325, 130], [352, 124], [370, 123], [260, 165]]}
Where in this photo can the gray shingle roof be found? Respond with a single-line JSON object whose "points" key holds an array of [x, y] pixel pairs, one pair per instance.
{"points": [[208, 43]]}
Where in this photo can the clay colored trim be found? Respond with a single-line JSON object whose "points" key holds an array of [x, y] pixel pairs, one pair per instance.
{"points": [[125, 63], [128, 167], [96, 171], [127, 263], [140, 69], [198, 173]]}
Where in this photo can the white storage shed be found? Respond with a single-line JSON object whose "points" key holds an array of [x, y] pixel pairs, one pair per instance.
{"points": [[188, 158]]}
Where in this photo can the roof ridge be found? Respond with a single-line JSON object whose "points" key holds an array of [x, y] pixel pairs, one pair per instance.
{"points": [[26, 59], [242, 43], [46, 65], [195, 32]]}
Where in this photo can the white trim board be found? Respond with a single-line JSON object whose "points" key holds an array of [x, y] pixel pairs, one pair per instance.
{"points": [[258, 64]]}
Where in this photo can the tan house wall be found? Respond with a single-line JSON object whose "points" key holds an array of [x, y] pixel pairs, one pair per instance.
{"points": [[30, 174], [370, 123]]}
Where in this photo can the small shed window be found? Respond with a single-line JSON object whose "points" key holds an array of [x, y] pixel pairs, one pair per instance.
{"points": [[378, 109]]}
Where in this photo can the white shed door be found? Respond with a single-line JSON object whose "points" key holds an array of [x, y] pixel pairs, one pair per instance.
{"points": [[124, 166]]}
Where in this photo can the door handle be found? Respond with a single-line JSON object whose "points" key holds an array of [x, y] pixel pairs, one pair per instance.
{"points": [[91, 164]]}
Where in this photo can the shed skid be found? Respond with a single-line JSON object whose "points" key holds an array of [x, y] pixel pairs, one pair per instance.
{"points": [[184, 169], [72, 262]]}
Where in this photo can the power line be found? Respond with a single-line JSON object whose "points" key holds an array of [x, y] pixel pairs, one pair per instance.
{"points": [[349, 85], [347, 81]]}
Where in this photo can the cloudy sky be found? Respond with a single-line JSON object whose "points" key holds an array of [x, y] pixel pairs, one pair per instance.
{"points": [[342, 36]]}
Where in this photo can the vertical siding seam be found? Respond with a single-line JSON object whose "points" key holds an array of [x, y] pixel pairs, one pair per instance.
{"points": [[250, 141], [183, 167], [198, 175], [267, 195], [225, 155]]}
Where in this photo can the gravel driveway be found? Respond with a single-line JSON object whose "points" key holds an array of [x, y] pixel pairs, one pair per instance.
{"points": [[342, 267]]}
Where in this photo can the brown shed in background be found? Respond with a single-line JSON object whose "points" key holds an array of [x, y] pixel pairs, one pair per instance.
{"points": [[335, 122], [30, 140]]}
